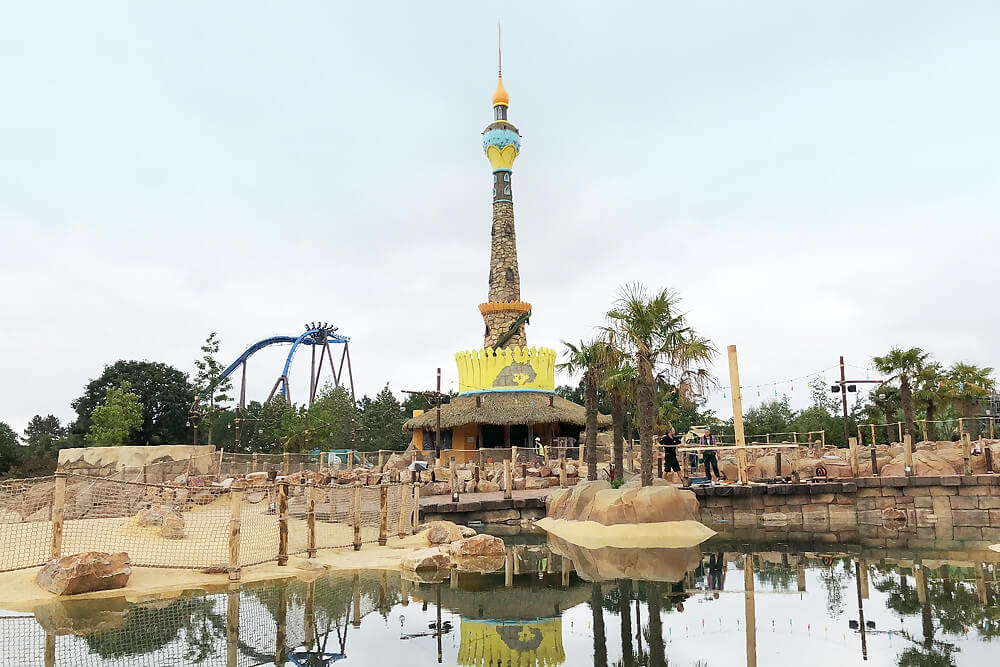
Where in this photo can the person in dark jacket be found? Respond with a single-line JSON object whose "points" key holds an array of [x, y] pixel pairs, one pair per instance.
{"points": [[709, 456], [670, 442]]}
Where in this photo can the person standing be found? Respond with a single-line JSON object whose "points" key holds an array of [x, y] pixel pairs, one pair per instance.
{"points": [[709, 455], [670, 442]]}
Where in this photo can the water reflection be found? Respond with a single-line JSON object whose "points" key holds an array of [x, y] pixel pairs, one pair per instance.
{"points": [[553, 604]]}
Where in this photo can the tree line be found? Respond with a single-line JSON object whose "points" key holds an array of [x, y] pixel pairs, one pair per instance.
{"points": [[148, 403]]}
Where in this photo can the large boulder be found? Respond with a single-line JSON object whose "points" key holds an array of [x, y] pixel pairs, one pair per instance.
{"points": [[426, 559], [535, 483], [172, 527], [597, 501], [664, 503], [612, 506], [581, 497], [925, 463], [85, 573], [477, 546], [442, 532]]}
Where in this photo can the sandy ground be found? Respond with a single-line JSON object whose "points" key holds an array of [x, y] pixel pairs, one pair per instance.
{"points": [[593, 535]]}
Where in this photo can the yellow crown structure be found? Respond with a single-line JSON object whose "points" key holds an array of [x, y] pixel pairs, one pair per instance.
{"points": [[508, 368]]}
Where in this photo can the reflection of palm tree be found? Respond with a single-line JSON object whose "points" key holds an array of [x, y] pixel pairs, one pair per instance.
{"points": [[600, 640], [625, 612], [654, 638], [834, 582]]}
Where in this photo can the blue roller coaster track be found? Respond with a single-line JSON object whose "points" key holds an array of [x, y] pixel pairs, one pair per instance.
{"points": [[319, 337]]}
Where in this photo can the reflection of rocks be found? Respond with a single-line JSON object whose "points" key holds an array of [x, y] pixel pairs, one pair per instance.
{"points": [[426, 559], [479, 563], [609, 563], [425, 576], [82, 617], [84, 573]]}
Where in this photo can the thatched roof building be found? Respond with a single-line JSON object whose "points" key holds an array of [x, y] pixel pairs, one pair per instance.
{"points": [[505, 409]]}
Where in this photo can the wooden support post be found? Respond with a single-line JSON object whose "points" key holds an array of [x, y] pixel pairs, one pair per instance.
{"points": [[406, 490], [452, 477], [579, 464], [899, 427], [992, 437], [750, 611], [218, 473], [822, 438], [232, 625], [981, 584], [767, 438], [861, 440], [281, 626], [961, 428], [235, 513], [908, 455], [562, 473], [311, 521], [381, 461], [795, 437], [453, 579], [475, 477], [988, 453], [923, 426], [920, 575], [356, 517], [508, 568], [507, 480], [284, 463], [873, 434], [144, 479], [852, 444], [58, 504], [383, 515], [801, 576], [416, 508], [967, 453], [874, 462], [190, 461], [864, 578], [50, 650], [282, 523], [777, 464], [513, 457], [734, 385]]}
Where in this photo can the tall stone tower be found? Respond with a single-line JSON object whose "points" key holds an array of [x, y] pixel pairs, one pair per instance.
{"points": [[505, 314]]}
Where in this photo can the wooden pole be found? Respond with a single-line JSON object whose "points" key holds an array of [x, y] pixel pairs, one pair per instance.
{"points": [[961, 428], [579, 465], [923, 426], [861, 440], [852, 443], [734, 385], [873, 434], [750, 610], [50, 649], [383, 515], [235, 512], [908, 455], [562, 473], [282, 523], [284, 463], [190, 461], [899, 427], [801, 577], [864, 579], [406, 490], [507, 479], [416, 507], [58, 503], [381, 460], [508, 568], [222, 453], [356, 517], [453, 476], [309, 615], [232, 625], [281, 626], [967, 453], [311, 520]]}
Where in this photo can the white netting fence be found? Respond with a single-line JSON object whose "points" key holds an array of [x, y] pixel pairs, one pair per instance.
{"points": [[192, 527]]}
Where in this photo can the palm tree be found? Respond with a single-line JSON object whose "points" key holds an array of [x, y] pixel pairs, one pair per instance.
{"points": [[928, 393], [903, 365], [590, 359], [619, 382], [966, 384], [651, 330]]}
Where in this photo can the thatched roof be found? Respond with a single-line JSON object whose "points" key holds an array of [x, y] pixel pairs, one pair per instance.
{"points": [[502, 408]]}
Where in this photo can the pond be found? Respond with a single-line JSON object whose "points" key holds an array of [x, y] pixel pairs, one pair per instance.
{"points": [[679, 607]]}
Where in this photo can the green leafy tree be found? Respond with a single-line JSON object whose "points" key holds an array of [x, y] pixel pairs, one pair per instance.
{"points": [[120, 416], [619, 383], [966, 385], [165, 394], [587, 358], [261, 426], [11, 452], [382, 420], [213, 389], [929, 394], [652, 331], [45, 436], [330, 423], [771, 416], [903, 366]]}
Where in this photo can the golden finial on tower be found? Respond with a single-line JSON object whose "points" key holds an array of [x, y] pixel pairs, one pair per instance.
{"points": [[500, 97]]}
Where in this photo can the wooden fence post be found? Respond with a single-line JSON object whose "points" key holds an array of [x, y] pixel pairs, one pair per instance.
{"points": [[383, 515], [416, 507], [579, 465], [381, 461], [232, 625], [967, 453], [311, 520], [190, 461], [908, 455], [356, 517], [235, 513], [222, 453], [58, 503], [899, 428], [749, 611], [961, 428], [406, 490], [923, 425], [283, 523], [284, 463], [873, 434], [562, 473], [852, 443], [507, 480], [453, 477], [255, 465], [734, 385]]}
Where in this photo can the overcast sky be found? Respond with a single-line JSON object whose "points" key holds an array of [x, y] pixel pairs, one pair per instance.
{"points": [[815, 179]]}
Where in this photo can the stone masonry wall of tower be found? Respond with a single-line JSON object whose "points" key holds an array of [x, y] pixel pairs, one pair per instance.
{"points": [[505, 279]]}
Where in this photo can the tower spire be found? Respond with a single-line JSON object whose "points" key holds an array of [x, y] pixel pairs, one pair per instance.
{"points": [[499, 53]]}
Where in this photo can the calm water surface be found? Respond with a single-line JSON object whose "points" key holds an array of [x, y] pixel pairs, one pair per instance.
{"points": [[678, 607]]}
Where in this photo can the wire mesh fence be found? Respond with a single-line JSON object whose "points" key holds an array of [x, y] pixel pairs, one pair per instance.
{"points": [[214, 527]]}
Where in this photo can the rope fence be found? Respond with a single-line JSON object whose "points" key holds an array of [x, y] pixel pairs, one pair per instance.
{"points": [[215, 527]]}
